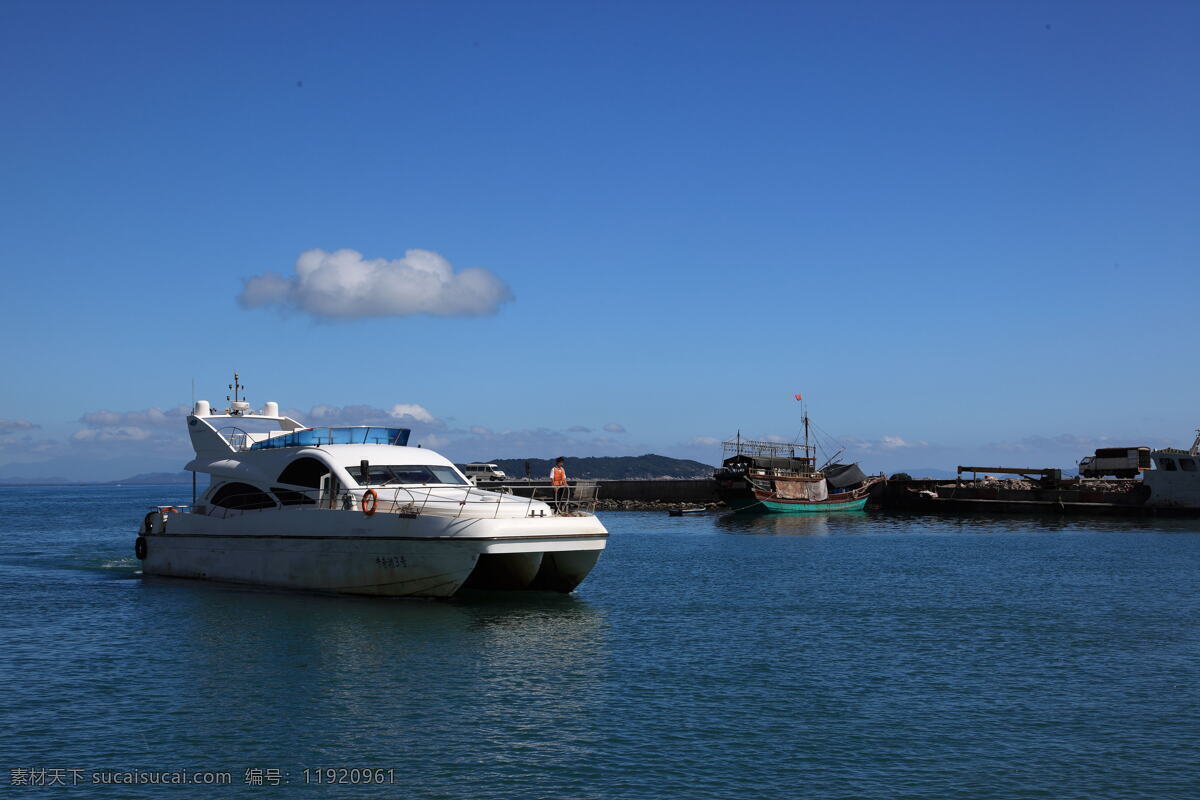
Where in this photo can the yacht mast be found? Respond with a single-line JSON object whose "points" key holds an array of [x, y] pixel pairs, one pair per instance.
{"points": [[234, 387]]}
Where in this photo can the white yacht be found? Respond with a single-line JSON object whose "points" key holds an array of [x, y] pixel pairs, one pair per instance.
{"points": [[356, 510]]}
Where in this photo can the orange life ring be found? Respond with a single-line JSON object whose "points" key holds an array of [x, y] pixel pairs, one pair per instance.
{"points": [[370, 493], [170, 510]]}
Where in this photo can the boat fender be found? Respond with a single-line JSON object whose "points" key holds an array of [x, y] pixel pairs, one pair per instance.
{"points": [[369, 501], [139, 548], [148, 524]]}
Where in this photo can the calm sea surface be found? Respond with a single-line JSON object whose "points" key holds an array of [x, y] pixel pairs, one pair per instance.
{"points": [[841, 656]]}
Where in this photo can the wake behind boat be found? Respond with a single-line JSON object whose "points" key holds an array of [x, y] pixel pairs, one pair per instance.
{"points": [[357, 510]]}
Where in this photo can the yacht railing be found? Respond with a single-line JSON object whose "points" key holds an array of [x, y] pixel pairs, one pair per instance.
{"points": [[442, 500]]}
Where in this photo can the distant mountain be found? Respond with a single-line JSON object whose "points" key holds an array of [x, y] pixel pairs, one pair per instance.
{"points": [[607, 468], [74, 471], [50, 480], [155, 479], [928, 472], [142, 479]]}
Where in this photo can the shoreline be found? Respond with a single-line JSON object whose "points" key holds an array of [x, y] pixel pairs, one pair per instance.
{"points": [[654, 505]]}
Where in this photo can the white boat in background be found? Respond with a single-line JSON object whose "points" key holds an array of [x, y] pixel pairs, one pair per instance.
{"points": [[1174, 483], [356, 510]]}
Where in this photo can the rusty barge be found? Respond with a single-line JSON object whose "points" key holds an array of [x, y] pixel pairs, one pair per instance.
{"points": [[1167, 482]]}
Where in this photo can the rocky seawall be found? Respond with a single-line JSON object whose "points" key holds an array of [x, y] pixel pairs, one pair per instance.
{"points": [[653, 505]]}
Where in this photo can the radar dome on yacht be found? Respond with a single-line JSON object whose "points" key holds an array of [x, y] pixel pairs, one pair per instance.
{"points": [[202, 409], [270, 409]]}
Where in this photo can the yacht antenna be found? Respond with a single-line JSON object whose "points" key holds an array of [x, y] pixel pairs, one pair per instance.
{"points": [[235, 387]]}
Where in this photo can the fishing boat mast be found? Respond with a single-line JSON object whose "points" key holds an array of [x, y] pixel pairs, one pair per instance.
{"points": [[809, 455], [806, 430]]}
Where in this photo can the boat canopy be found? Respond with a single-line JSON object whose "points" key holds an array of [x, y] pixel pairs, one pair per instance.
{"points": [[842, 475], [315, 437], [763, 462]]}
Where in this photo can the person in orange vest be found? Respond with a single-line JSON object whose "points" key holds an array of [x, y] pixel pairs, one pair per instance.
{"points": [[558, 479]]}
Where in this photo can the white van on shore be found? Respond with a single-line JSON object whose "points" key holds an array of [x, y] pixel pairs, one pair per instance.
{"points": [[484, 473]]}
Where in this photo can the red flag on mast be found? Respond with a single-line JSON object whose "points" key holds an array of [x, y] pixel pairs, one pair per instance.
{"points": [[799, 396]]}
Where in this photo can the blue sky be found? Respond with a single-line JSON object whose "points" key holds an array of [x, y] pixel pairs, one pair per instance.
{"points": [[962, 230]]}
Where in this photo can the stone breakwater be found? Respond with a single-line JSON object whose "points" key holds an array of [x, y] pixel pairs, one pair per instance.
{"points": [[652, 505], [663, 492]]}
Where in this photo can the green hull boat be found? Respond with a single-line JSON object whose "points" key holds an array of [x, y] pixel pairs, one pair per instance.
{"points": [[805, 508]]}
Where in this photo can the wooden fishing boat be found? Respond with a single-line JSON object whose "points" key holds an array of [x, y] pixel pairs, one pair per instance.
{"points": [[782, 477]]}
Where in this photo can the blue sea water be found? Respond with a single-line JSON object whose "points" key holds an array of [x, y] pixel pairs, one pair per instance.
{"points": [[858, 655]]}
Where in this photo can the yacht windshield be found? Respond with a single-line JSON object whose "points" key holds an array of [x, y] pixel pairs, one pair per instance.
{"points": [[315, 437], [381, 474]]}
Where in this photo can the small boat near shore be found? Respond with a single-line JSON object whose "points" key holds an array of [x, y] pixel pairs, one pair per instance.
{"points": [[356, 510], [681, 510]]}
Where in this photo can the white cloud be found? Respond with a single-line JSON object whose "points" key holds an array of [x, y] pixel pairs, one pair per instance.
{"points": [[410, 415], [432, 440], [478, 443], [113, 433], [148, 417], [15, 436], [704, 441], [614, 427], [882, 444], [411, 410], [345, 285], [149, 426], [1068, 442]]}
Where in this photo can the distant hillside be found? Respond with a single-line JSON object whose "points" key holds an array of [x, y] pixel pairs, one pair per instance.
{"points": [[49, 480], [928, 472], [142, 479], [607, 468], [155, 478]]}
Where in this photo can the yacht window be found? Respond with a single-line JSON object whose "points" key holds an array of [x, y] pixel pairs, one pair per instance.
{"points": [[1167, 463], [407, 473], [304, 472], [1187, 464], [290, 497], [241, 496]]}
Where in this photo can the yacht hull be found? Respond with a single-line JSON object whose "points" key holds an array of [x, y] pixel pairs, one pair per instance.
{"points": [[384, 555], [381, 567]]}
